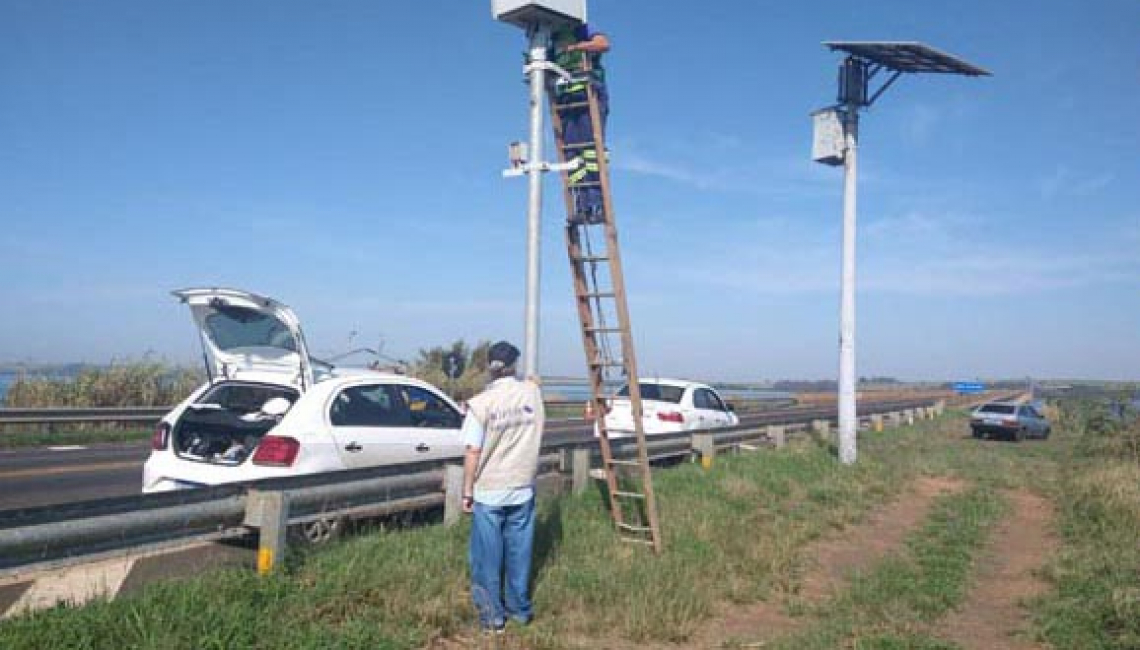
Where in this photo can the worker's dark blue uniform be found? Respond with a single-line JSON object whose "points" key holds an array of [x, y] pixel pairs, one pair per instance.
{"points": [[577, 124]]}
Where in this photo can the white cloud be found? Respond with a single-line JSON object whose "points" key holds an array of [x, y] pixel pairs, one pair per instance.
{"points": [[917, 253], [1063, 182], [708, 167]]}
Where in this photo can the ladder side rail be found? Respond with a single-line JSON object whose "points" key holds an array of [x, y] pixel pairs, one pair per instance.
{"points": [[617, 278], [586, 319]]}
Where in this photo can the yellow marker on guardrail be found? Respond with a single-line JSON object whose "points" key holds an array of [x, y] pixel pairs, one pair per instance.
{"points": [[264, 561]]}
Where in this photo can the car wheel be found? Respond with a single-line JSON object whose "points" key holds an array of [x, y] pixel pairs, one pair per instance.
{"points": [[318, 531], [1018, 435], [977, 433]]}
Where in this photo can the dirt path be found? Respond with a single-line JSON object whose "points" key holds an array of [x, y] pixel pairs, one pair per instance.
{"points": [[833, 561], [992, 613]]}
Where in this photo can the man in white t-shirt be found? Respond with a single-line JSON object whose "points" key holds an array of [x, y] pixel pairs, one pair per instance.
{"points": [[503, 434]]}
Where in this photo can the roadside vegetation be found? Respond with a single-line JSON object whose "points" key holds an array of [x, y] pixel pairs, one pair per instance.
{"points": [[1096, 604], [736, 536], [142, 383]]}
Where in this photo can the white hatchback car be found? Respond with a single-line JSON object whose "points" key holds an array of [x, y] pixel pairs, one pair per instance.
{"points": [[670, 405], [269, 410]]}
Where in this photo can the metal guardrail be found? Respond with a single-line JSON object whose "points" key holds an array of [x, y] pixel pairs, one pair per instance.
{"points": [[45, 417], [54, 535], [149, 415]]}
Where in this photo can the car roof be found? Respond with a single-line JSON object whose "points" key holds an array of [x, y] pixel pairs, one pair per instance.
{"points": [[680, 383]]}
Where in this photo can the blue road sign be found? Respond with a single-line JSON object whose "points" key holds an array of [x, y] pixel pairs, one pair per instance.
{"points": [[969, 387]]}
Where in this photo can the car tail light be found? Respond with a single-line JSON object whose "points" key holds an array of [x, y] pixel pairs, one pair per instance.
{"points": [[670, 416], [276, 451], [161, 436]]}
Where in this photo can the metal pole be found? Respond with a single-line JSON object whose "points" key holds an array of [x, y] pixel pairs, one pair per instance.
{"points": [[847, 410], [539, 40]]}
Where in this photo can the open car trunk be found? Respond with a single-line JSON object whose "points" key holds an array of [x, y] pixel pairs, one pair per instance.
{"points": [[227, 423]]}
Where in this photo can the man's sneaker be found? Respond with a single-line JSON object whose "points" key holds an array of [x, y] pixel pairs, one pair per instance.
{"points": [[521, 621], [495, 630]]}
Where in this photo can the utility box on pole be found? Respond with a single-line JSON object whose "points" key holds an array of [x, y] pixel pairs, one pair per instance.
{"points": [[828, 143], [553, 13]]}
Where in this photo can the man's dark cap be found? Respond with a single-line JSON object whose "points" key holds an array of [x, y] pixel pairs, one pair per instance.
{"points": [[502, 355]]}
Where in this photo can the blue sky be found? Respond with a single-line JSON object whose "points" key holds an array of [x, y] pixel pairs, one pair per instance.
{"points": [[345, 158]]}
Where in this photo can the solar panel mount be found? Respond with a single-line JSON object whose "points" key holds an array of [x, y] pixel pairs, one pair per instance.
{"points": [[907, 57]]}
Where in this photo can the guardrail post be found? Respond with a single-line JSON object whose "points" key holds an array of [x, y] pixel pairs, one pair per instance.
{"points": [[452, 494], [939, 407], [269, 511], [908, 415], [705, 445], [776, 432], [580, 470], [877, 423], [822, 427]]}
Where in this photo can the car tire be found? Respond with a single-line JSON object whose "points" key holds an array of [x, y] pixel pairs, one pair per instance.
{"points": [[977, 433], [1018, 435], [317, 532]]}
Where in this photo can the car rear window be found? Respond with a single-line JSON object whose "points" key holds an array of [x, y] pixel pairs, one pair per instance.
{"points": [[233, 327], [657, 392], [1004, 409]]}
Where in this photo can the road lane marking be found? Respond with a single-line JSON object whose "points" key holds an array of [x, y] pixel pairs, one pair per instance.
{"points": [[67, 448], [70, 469]]}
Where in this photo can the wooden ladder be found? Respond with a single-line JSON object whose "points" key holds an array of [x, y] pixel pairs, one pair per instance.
{"points": [[599, 291]]}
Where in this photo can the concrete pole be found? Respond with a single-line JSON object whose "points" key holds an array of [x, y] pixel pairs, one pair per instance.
{"points": [[539, 40], [847, 421]]}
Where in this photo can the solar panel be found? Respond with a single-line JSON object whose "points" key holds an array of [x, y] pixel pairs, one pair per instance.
{"points": [[907, 57]]}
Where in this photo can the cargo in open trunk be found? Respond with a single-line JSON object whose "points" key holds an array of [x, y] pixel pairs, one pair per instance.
{"points": [[227, 423]]}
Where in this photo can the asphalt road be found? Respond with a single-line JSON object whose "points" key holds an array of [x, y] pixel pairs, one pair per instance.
{"points": [[54, 475], [67, 474]]}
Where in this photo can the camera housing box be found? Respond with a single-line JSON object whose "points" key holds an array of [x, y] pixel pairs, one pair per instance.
{"points": [[554, 13], [829, 144]]}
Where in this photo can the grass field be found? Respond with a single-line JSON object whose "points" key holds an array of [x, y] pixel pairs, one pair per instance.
{"points": [[740, 537], [18, 439]]}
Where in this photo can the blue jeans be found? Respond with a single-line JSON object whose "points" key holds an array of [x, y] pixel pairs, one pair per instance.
{"points": [[502, 538]]}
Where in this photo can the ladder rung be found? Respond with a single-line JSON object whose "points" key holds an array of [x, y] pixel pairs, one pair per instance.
{"points": [[604, 330], [629, 495], [591, 258], [634, 529], [579, 145], [630, 463], [608, 363], [599, 294], [563, 107], [637, 540], [587, 184]]}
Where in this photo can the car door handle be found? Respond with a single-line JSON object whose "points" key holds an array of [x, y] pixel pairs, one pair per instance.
{"points": [[422, 447], [353, 447]]}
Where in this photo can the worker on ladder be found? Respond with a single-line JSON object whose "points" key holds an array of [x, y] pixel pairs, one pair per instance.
{"points": [[570, 45]]}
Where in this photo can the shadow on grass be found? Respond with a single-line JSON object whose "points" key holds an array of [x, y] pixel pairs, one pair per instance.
{"points": [[547, 538]]}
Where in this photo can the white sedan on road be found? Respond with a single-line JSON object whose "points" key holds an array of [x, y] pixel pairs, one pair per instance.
{"points": [[269, 410], [670, 405]]}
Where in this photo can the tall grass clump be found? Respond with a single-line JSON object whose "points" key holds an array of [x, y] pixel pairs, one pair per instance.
{"points": [[141, 383], [1096, 604], [429, 367]]}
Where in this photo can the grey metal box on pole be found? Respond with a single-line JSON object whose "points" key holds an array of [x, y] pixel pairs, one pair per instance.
{"points": [[553, 13], [827, 144]]}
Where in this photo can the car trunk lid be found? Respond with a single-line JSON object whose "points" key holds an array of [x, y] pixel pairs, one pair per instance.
{"points": [[246, 334]]}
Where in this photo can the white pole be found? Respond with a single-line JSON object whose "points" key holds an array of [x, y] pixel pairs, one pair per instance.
{"points": [[539, 40], [847, 410]]}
